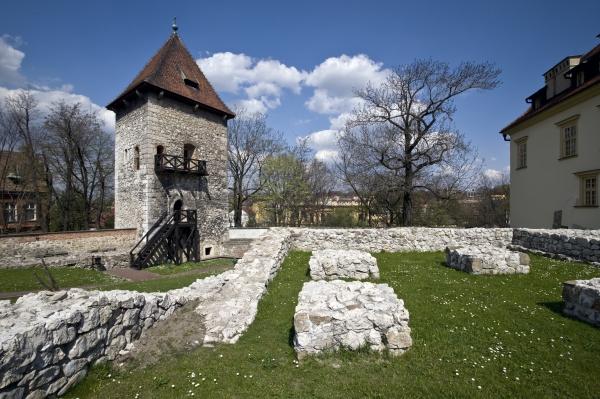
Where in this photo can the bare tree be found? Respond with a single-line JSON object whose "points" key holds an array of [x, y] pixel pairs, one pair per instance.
{"points": [[493, 201], [251, 143], [321, 182], [352, 170], [405, 124], [21, 113], [80, 154]]}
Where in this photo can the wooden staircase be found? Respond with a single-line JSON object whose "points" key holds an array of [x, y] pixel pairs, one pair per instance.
{"points": [[172, 239]]}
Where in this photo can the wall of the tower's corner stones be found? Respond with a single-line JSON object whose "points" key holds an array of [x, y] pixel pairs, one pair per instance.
{"points": [[173, 124], [131, 130]]}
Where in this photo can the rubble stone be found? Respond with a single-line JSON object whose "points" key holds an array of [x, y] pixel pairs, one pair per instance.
{"points": [[331, 264], [582, 300], [487, 260], [333, 315]]}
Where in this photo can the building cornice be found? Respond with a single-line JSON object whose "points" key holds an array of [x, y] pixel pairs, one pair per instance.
{"points": [[560, 107]]}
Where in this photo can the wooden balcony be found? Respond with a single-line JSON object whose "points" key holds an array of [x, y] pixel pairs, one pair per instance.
{"points": [[177, 164]]}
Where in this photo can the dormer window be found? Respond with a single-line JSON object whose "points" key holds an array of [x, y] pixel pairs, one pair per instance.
{"points": [[191, 83], [579, 78]]}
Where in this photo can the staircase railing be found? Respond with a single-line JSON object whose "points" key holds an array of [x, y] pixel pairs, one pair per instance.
{"points": [[147, 236], [176, 235]]}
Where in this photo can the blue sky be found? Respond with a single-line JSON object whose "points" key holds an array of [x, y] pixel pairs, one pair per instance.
{"points": [[299, 61]]}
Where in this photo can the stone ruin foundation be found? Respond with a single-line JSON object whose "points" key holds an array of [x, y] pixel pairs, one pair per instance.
{"points": [[487, 260], [331, 264], [582, 300], [333, 315]]}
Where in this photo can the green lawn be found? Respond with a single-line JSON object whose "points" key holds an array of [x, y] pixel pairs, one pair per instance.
{"points": [[209, 266], [159, 285], [14, 280], [474, 336], [173, 276]]}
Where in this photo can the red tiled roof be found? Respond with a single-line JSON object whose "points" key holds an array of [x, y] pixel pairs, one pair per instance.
{"points": [[530, 113], [167, 70]]}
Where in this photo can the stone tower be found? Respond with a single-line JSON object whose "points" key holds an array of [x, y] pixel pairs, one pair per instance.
{"points": [[171, 147]]}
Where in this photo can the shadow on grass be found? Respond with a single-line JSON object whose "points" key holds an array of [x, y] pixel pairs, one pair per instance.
{"points": [[291, 334], [556, 307]]}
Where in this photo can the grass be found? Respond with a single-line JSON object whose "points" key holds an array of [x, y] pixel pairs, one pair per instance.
{"points": [[15, 280], [474, 336], [173, 276], [158, 285], [209, 266]]}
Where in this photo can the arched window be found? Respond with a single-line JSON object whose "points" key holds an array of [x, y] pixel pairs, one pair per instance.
{"points": [[136, 158], [188, 154], [177, 206], [160, 149]]}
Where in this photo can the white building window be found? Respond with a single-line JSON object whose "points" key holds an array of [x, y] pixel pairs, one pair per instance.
{"points": [[568, 137], [588, 183], [30, 212], [568, 141], [521, 152], [10, 212]]}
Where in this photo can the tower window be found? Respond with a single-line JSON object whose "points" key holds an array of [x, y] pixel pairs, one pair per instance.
{"points": [[136, 158], [188, 154], [191, 83]]}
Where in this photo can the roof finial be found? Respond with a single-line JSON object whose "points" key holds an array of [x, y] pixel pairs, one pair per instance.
{"points": [[174, 26]]}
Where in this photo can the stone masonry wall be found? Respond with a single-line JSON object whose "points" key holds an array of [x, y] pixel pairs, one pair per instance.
{"points": [[173, 125], [582, 300], [581, 245], [67, 248], [142, 195], [130, 131], [397, 239], [49, 340]]}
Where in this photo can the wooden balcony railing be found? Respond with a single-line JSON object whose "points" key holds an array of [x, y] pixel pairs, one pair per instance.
{"points": [[175, 163]]}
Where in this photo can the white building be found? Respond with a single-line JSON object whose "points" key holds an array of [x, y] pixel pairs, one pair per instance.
{"points": [[555, 149]]}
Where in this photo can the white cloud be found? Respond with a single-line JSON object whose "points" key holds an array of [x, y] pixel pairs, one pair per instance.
{"points": [[45, 98], [252, 105], [10, 62], [10, 75], [326, 155], [339, 122], [263, 81], [336, 79], [324, 143], [494, 175]]}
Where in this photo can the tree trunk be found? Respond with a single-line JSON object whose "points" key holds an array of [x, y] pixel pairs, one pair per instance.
{"points": [[407, 204], [237, 203]]}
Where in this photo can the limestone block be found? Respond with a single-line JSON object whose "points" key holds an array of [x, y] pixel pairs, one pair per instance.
{"points": [[487, 260], [331, 264], [333, 315], [582, 300]]}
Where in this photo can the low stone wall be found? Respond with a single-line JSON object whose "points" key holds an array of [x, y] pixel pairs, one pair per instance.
{"points": [[230, 312], [49, 340], [400, 239], [332, 264], [68, 248], [333, 315], [582, 300], [564, 244], [487, 260]]}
